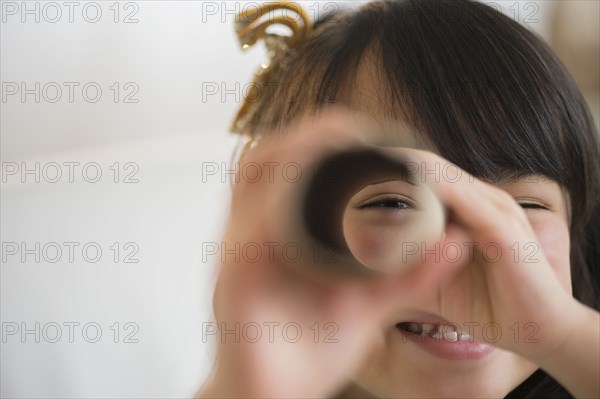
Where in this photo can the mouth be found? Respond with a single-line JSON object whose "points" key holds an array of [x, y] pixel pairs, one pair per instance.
{"points": [[442, 339]]}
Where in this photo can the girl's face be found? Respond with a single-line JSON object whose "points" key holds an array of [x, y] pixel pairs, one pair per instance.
{"points": [[406, 367]]}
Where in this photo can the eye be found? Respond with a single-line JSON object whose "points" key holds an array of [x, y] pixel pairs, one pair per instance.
{"points": [[533, 205], [387, 203]]}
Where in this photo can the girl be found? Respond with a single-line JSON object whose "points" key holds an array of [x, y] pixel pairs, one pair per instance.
{"points": [[463, 84]]}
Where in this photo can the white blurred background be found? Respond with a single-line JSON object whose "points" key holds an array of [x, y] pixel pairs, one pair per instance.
{"points": [[142, 92]]}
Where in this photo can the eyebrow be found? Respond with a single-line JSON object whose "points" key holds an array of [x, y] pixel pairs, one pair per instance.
{"points": [[391, 179], [512, 176]]}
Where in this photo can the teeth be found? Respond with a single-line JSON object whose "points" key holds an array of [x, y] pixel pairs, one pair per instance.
{"points": [[446, 332], [465, 337], [449, 327], [427, 328], [451, 336], [413, 327]]}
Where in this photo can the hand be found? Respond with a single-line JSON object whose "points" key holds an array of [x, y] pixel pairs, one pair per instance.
{"points": [[510, 292], [339, 320], [516, 294]]}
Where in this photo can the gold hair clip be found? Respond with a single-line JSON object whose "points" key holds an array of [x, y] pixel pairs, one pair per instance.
{"points": [[249, 31]]}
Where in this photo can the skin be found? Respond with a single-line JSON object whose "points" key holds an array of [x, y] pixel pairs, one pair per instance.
{"points": [[534, 287], [267, 290]]}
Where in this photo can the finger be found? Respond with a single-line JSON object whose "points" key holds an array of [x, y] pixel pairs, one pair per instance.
{"points": [[487, 211]]}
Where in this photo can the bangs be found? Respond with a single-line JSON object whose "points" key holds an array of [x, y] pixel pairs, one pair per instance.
{"points": [[487, 97]]}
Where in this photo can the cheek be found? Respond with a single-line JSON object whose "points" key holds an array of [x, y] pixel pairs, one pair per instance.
{"points": [[553, 236], [376, 246], [366, 243]]}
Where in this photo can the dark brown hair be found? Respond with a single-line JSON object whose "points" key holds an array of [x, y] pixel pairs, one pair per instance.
{"points": [[487, 93]]}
